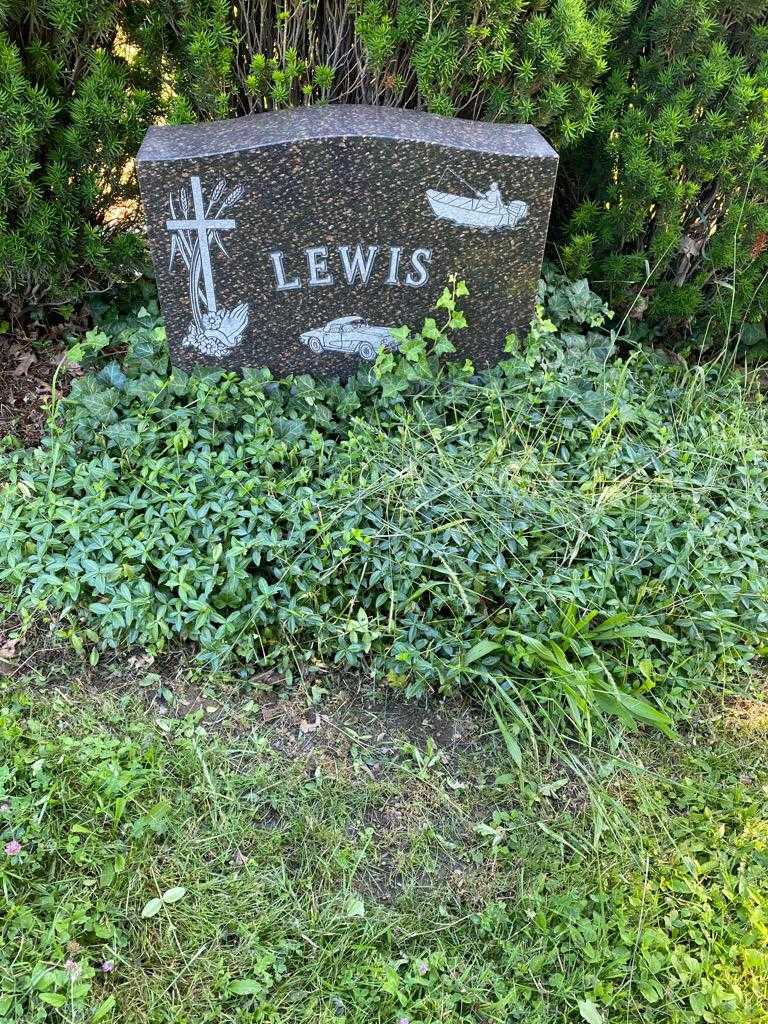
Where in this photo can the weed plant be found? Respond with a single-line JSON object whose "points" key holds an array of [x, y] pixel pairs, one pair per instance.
{"points": [[581, 529]]}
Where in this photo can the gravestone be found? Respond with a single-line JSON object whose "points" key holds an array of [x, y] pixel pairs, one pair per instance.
{"points": [[297, 240]]}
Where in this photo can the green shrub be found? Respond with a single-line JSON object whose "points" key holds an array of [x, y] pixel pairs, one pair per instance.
{"points": [[74, 105], [660, 113], [674, 180], [574, 527], [511, 62]]}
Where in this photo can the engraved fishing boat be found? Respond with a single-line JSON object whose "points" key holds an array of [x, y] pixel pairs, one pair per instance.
{"points": [[481, 210]]}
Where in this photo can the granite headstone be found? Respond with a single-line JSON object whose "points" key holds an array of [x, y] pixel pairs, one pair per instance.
{"points": [[296, 240]]}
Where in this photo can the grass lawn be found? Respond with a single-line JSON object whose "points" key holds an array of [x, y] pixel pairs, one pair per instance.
{"points": [[199, 849]]}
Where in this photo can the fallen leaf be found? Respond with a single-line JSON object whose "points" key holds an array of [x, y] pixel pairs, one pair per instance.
{"points": [[246, 987], [140, 660], [152, 907], [26, 359], [175, 894], [8, 650]]}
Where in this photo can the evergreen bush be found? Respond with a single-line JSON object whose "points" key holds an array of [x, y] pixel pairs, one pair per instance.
{"points": [[500, 59], [75, 101], [659, 111], [673, 181]]}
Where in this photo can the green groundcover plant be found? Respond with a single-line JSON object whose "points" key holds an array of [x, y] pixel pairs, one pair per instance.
{"points": [[579, 529]]}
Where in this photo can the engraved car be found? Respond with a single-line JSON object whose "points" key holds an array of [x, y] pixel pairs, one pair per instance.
{"points": [[350, 334]]}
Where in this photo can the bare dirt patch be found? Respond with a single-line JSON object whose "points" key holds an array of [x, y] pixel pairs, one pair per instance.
{"points": [[327, 715], [25, 390], [28, 362]]}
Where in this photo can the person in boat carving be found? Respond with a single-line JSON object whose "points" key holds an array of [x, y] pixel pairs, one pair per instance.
{"points": [[475, 209], [492, 197]]}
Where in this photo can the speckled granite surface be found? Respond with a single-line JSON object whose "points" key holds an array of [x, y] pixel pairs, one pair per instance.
{"points": [[265, 230]]}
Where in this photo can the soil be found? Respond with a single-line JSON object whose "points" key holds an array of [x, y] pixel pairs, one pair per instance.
{"points": [[26, 376], [29, 356], [327, 714]]}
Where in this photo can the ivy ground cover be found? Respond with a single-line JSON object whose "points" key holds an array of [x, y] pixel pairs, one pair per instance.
{"points": [[581, 531]]}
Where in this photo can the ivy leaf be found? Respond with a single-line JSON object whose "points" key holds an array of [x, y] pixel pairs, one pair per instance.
{"points": [[430, 329], [446, 301], [123, 433], [399, 333], [112, 374], [443, 346], [589, 1012]]}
